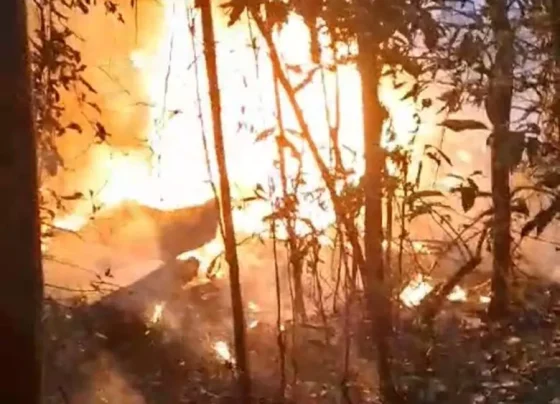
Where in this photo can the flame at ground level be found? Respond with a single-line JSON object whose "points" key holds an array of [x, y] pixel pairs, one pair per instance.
{"points": [[419, 287], [223, 352]]}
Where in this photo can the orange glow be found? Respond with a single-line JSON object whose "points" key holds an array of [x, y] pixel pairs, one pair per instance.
{"points": [[176, 174]]}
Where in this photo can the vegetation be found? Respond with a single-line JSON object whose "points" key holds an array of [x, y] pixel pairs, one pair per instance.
{"points": [[341, 323]]}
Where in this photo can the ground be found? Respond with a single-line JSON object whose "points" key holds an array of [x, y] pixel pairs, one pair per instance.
{"points": [[102, 354]]}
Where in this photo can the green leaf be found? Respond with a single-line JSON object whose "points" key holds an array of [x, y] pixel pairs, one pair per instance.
{"points": [[460, 125]]}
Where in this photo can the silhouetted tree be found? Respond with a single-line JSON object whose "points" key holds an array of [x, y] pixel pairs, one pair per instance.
{"points": [[21, 291], [228, 230]]}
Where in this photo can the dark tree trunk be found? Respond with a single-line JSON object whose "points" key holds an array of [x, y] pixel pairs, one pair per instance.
{"points": [[555, 24], [377, 293], [242, 365], [498, 108], [21, 293]]}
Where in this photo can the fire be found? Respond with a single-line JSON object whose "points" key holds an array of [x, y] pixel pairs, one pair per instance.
{"points": [[71, 222], [415, 291], [253, 324], [177, 173], [157, 315], [252, 306], [205, 255], [484, 299], [458, 294], [223, 352]]}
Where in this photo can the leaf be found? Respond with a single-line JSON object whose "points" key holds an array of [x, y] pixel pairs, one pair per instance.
{"points": [[423, 194], [460, 125], [426, 102], [412, 93], [440, 153], [101, 133], [542, 219], [551, 179], [430, 29], [75, 126], [520, 206], [451, 99], [234, 9], [73, 197], [468, 196], [265, 134]]}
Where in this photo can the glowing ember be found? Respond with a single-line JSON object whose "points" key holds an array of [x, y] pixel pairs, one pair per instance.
{"points": [[253, 324], [420, 247], [222, 350], [252, 306], [415, 291], [484, 299], [158, 313], [458, 294]]}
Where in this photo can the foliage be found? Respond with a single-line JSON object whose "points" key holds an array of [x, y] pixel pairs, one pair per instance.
{"points": [[58, 71]]}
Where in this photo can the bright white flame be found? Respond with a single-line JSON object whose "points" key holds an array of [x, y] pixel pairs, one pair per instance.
{"points": [[138, 59], [420, 247], [158, 313], [72, 222], [222, 350], [458, 294], [484, 299], [253, 324], [205, 254], [415, 291]]}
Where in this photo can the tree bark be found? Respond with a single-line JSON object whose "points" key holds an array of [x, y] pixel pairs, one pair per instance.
{"points": [[242, 365], [498, 108], [21, 293], [378, 297]]}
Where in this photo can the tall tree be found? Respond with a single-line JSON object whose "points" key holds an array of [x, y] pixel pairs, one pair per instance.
{"points": [[21, 292], [242, 365], [374, 114], [498, 109]]}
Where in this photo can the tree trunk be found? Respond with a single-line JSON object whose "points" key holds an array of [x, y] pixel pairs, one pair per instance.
{"points": [[555, 24], [498, 108], [22, 280], [242, 365], [378, 297]]}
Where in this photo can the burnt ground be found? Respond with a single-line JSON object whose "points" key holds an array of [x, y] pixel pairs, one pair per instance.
{"points": [[110, 353]]}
